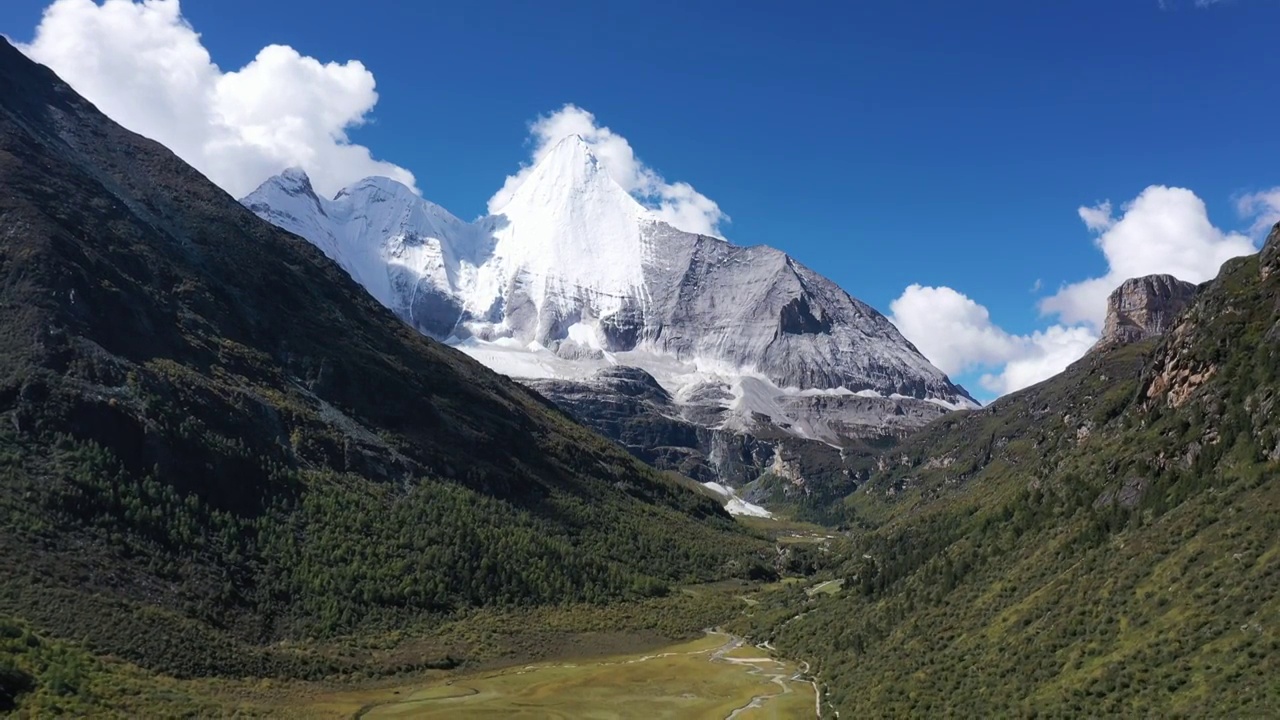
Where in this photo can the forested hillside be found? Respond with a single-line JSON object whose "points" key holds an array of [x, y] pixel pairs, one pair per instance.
{"points": [[212, 439], [1104, 543]]}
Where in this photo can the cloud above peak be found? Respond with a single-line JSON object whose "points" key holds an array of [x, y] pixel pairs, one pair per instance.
{"points": [[1163, 230], [678, 203], [144, 66]]}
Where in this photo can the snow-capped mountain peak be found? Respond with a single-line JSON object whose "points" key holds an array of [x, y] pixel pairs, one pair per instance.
{"points": [[570, 167], [296, 177], [388, 238], [570, 176], [726, 356], [573, 274], [570, 242]]}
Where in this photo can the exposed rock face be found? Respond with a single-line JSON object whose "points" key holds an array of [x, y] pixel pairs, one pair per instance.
{"points": [[1269, 258], [629, 406], [1192, 353], [1145, 307], [703, 436]]}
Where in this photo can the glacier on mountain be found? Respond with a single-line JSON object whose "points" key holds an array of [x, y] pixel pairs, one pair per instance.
{"points": [[575, 267], [574, 276]]}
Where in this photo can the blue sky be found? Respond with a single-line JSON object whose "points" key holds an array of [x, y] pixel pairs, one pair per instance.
{"points": [[882, 143]]}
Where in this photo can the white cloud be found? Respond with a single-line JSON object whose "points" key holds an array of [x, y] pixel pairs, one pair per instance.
{"points": [[1263, 207], [1043, 354], [144, 66], [676, 203], [957, 335], [1163, 230], [1165, 4], [1097, 218], [953, 331]]}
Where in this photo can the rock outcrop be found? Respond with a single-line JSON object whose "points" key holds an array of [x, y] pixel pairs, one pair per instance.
{"points": [[1145, 307]]}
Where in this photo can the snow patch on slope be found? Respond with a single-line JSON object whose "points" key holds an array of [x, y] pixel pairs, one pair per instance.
{"points": [[584, 335], [734, 504], [747, 399]]}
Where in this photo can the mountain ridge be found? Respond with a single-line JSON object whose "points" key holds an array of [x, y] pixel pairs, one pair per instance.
{"points": [[209, 431]]}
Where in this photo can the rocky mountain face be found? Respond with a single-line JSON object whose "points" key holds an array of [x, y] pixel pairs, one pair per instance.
{"points": [[1145, 307], [212, 439], [574, 277], [701, 437]]}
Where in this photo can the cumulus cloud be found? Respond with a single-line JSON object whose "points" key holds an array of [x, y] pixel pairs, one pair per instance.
{"points": [[953, 331], [1163, 230], [957, 334], [144, 66], [1263, 207], [676, 203], [1042, 354]]}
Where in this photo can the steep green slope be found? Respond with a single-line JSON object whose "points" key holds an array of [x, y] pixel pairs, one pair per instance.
{"points": [[1104, 543], [211, 438]]}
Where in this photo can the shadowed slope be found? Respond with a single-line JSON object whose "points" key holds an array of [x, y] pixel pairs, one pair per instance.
{"points": [[207, 428]]}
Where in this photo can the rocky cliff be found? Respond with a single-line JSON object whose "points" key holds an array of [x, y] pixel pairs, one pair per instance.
{"points": [[1145, 307]]}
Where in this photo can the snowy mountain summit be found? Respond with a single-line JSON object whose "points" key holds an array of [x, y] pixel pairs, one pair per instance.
{"points": [[573, 275]]}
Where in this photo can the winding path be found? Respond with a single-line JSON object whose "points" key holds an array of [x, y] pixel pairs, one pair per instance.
{"points": [[756, 664]]}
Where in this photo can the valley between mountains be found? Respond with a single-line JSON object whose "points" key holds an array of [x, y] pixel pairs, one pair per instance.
{"points": [[355, 457]]}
